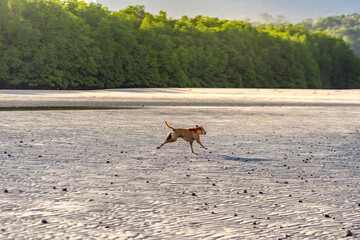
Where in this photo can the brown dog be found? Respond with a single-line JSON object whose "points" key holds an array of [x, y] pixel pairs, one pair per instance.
{"points": [[188, 134]]}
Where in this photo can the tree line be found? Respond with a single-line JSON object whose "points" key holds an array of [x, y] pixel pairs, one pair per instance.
{"points": [[55, 44]]}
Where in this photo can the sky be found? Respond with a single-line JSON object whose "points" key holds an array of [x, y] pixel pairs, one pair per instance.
{"points": [[292, 10]]}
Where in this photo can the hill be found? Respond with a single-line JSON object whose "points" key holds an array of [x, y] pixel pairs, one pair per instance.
{"points": [[346, 26]]}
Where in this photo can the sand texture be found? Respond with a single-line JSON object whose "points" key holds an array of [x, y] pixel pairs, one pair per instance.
{"points": [[280, 164]]}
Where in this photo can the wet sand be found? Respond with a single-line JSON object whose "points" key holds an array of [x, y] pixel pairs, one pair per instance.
{"points": [[280, 164]]}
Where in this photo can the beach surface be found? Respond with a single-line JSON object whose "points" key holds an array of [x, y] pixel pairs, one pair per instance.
{"points": [[280, 164]]}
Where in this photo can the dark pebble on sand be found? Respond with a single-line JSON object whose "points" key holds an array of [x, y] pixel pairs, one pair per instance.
{"points": [[193, 194], [254, 223], [300, 201], [44, 221], [245, 191], [261, 193], [54, 187], [326, 215], [235, 215], [40, 156], [107, 161], [348, 233], [64, 190], [6, 191], [214, 184]]}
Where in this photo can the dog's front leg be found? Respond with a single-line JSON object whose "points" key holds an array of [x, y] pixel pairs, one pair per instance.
{"points": [[192, 150], [198, 141]]}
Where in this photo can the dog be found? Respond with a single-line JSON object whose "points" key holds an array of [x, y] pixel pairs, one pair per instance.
{"points": [[188, 134]]}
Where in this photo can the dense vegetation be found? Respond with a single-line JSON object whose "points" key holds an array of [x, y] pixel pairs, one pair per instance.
{"points": [[346, 26], [71, 44]]}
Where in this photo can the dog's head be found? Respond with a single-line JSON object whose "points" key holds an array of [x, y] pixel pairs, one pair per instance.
{"points": [[201, 130]]}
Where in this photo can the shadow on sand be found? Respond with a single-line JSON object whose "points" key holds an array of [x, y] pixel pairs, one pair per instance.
{"points": [[63, 108], [242, 159]]}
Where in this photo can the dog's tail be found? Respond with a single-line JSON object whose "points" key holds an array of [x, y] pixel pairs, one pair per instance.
{"points": [[168, 126]]}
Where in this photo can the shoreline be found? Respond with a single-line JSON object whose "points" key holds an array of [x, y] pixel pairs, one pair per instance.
{"points": [[178, 97]]}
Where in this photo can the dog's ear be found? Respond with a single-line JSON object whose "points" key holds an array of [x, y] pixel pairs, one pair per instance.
{"points": [[197, 126]]}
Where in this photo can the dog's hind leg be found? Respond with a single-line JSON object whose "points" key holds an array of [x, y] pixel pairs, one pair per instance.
{"points": [[161, 145], [170, 138]]}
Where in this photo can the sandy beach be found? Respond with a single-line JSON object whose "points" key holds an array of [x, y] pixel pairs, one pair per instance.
{"points": [[280, 164]]}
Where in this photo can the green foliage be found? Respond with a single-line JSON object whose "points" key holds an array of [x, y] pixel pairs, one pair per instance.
{"points": [[345, 26], [77, 45]]}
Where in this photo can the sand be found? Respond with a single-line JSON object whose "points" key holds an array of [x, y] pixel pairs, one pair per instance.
{"points": [[280, 164]]}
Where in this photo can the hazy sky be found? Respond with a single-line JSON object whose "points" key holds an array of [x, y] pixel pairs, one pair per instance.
{"points": [[292, 10]]}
